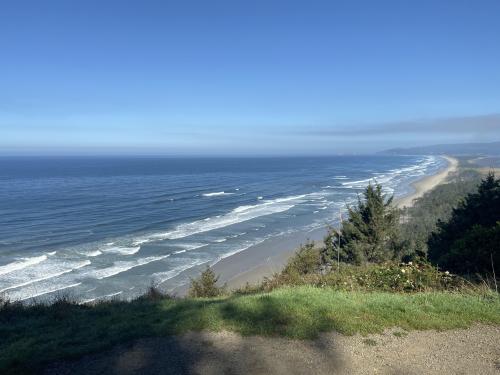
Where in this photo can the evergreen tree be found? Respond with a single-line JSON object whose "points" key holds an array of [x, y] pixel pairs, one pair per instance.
{"points": [[206, 285], [370, 234]]}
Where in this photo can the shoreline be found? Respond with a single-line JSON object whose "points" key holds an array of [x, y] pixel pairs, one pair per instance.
{"points": [[428, 183], [254, 264]]}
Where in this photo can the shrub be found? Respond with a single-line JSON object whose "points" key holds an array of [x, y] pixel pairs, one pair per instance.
{"points": [[387, 277], [154, 293], [206, 285], [307, 260], [393, 277]]}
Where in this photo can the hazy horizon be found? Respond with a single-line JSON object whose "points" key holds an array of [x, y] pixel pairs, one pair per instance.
{"points": [[241, 79]]}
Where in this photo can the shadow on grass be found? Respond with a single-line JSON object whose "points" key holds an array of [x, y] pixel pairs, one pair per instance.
{"points": [[141, 337], [207, 352]]}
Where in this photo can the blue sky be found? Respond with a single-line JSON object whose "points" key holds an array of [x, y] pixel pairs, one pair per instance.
{"points": [[246, 77]]}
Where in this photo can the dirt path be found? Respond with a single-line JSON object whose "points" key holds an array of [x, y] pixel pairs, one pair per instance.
{"points": [[469, 351]]}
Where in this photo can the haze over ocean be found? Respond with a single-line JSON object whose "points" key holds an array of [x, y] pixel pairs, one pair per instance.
{"points": [[100, 227]]}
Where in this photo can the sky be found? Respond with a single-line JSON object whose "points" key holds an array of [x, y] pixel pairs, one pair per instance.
{"points": [[246, 77]]}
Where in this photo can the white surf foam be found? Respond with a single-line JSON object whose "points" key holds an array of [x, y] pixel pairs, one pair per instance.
{"points": [[238, 215], [191, 246], [164, 276], [394, 176], [124, 250], [122, 266], [25, 295], [20, 264], [244, 247], [104, 297], [49, 270], [216, 194], [93, 253]]}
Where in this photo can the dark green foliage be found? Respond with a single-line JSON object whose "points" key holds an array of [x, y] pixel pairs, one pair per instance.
{"points": [[370, 234], [474, 251], [469, 241], [332, 253], [206, 285], [306, 260], [420, 220], [154, 293]]}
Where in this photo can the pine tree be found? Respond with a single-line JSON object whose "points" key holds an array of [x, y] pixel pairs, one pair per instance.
{"points": [[370, 234], [206, 285]]}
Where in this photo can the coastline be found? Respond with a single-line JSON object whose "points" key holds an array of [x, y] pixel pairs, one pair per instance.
{"points": [[428, 183], [252, 265]]}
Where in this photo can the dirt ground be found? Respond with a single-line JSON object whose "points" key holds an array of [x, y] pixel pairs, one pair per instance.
{"points": [[466, 351]]}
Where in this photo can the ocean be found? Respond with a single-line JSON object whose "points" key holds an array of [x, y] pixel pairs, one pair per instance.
{"points": [[108, 227]]}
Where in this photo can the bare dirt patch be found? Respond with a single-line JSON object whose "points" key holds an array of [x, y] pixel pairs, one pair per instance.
{"points": [[466, 351]]}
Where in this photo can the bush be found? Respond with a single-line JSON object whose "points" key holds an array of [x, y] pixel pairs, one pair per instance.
{"points": [[206, 285], [393, 277], [307, 260], [387, 277], [154, 293]]}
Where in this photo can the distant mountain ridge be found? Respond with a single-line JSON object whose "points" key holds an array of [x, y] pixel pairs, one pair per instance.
{"points": [[491, 148]]}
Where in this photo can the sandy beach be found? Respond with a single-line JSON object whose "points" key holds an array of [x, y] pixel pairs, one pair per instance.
{"points": [[428, 183], [252, 265]]}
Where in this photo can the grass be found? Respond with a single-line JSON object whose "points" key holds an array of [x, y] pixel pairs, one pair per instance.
{"points": [[370, 342], [400, 334], [33, 336]]}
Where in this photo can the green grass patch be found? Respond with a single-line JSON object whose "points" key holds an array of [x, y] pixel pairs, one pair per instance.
{"points": [[370, 342], [33, 336], [400, 334]]}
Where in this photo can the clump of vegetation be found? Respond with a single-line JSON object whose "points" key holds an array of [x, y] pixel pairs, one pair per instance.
{"points": [[370, 342], [370, 234], [206, 285], [470, 241], [306, 261], [408, 277], [400, 334], [154, 293]]}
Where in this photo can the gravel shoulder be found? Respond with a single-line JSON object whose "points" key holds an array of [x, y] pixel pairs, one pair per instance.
{"points": [[465, 351]]}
